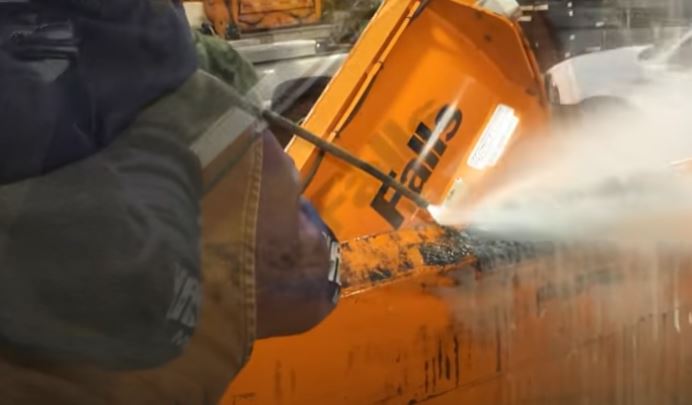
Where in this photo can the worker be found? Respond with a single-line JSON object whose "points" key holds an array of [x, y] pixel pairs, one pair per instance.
{"points": [[114, 149]]}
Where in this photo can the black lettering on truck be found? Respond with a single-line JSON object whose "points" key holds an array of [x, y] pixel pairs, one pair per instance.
{"points": [[418, 170]]}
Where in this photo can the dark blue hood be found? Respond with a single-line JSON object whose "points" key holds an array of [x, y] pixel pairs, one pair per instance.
{"points": [[75, 73]]}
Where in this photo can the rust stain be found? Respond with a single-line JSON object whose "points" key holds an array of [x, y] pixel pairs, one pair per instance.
{"points": [[457, 361], [278, 389], [439, 358], [434, 374], [293, 381], [427, 377], [498, 348], [448, 368]]}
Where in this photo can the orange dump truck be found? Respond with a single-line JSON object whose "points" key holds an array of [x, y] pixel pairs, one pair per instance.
{"points": [[434, 93]]}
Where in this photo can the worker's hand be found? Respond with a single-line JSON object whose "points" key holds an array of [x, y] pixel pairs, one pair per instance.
{"points": [[296, 280]]}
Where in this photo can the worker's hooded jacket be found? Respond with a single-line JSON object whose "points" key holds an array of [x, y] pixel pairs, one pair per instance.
{"points": [[99, 231], [74, 74]]}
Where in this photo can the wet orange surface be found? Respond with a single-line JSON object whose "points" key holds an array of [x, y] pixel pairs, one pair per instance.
{"points": [[575, 325]]}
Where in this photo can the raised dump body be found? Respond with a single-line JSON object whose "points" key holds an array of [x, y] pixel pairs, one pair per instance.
{"points": [[433, 93]]}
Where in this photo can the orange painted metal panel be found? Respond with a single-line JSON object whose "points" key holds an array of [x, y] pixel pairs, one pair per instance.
{"points": [[562, 326], [440, 67]]}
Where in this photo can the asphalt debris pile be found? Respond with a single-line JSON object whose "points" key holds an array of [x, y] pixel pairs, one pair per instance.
{"points": [[489, 252]]}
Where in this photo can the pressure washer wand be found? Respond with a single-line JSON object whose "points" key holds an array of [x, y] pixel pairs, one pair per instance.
{"points": [[334, 150]]}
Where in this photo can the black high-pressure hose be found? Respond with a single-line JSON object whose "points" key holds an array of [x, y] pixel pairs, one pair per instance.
{"points": [[334, 150]]}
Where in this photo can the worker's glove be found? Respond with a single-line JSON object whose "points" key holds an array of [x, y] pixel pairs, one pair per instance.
{"points": [[334, 274], [297, 270]]}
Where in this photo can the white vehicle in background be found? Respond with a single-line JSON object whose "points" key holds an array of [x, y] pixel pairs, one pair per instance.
{"points": [[618, 73]]}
